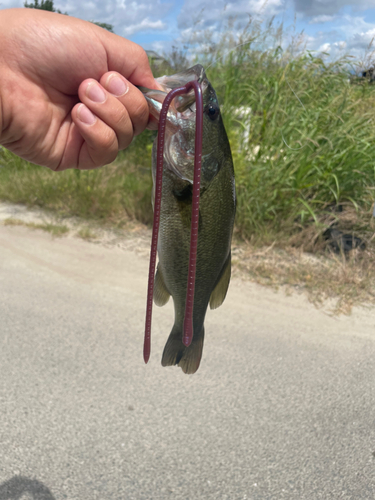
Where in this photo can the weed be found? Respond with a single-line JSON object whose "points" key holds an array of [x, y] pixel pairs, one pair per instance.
{"points": [[86, 234], [56, 230], [301, 137]]}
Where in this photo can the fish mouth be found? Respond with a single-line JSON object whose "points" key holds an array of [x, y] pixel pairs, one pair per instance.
{"points": [[179, 145], [182, 107]]}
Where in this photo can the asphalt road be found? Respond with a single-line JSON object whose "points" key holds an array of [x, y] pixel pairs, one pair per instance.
{"points": [[282, 406]]}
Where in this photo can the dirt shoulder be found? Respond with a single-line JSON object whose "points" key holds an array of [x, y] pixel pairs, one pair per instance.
{"points": [[335, 282]]}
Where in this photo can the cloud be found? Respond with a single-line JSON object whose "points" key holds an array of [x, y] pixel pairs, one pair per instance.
{"points": [[341, 45], [349, 35], [359, 36], [10, 4], [312, 8], [351, 25], [205, 14], [326, 47], [144, 25], [127, 16], [162, 23], [322, 19], [362, 41]]}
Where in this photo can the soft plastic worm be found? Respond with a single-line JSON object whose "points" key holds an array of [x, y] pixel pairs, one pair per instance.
{"points": [[188, 320]]}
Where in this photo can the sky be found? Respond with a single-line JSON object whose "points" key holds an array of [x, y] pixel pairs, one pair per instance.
{"points": [[334, 27]]}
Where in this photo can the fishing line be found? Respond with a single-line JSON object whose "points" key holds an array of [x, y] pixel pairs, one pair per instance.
{"points": [[189, 305]]}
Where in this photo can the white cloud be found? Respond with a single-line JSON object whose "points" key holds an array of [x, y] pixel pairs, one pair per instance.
{"points": [[127, 16], [362, 44], [326, 47], [341, 45], [10, 4], [144, 25], [329, 7], [342, 33], [160, 47], [321, 19], [349, 36], [351, 25], [206, 13]]}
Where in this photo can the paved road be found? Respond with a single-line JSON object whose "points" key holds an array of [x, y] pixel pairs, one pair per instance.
{"points": [[281, 408]]}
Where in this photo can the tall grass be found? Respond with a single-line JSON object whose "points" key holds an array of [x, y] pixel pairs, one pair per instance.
{"points": [[309, 148], [311, 142]]}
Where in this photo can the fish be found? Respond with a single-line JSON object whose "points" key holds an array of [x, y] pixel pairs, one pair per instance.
{"points": [[216, 211]]}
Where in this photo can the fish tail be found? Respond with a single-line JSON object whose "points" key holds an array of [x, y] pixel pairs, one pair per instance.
{"points": [[176, 353]]}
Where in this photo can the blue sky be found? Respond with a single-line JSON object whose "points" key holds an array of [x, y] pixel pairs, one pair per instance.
{"points": [[335, 26]]}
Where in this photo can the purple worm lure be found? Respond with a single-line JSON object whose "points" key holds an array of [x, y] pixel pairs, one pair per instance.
{"points": [[189, 306]]}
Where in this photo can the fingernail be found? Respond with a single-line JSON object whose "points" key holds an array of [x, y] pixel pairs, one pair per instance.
{"points": [[158, 86], [116, 86], [95, 93], [85, 115]]}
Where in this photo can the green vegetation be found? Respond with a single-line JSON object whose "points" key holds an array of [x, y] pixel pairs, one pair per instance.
{"points": [[310, 150], [304, 156], [106, 26], [86, 234], [43, 5], [56, 230], [113, 194]]}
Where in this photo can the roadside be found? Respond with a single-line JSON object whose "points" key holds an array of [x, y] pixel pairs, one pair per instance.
{"points": [[336, 282], [133, 236], [282, 406]]}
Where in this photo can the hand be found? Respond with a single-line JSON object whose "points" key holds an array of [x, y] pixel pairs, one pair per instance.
{"points": [[67, 94]]}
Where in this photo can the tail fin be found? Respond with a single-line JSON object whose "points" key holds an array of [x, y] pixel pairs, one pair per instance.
{"points": [[176, 353]]}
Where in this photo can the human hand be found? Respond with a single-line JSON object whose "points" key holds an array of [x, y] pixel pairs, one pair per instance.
{"points": [[67, 90]]}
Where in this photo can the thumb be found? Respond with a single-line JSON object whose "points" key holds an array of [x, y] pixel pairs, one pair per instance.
{"points": [[128, 59]]}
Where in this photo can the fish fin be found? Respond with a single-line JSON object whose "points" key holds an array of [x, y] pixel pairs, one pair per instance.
{"points": [[221, 287], [161, 294], [176, 353]]}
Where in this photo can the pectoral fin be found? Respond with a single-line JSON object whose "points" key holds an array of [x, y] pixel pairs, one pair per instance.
{"points": [[161, 294], [221, 288]]}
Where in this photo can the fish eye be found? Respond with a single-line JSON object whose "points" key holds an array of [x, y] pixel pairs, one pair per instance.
{"points": [[212, 111]]}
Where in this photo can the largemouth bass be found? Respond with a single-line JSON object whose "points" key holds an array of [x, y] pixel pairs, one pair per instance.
{"points": [[216, 212]]}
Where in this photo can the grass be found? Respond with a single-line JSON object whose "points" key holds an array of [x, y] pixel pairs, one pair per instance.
{"points": [[56, 230], [309, 147], [86, 234], [113, 194], [304, 159], [342, 280]]}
